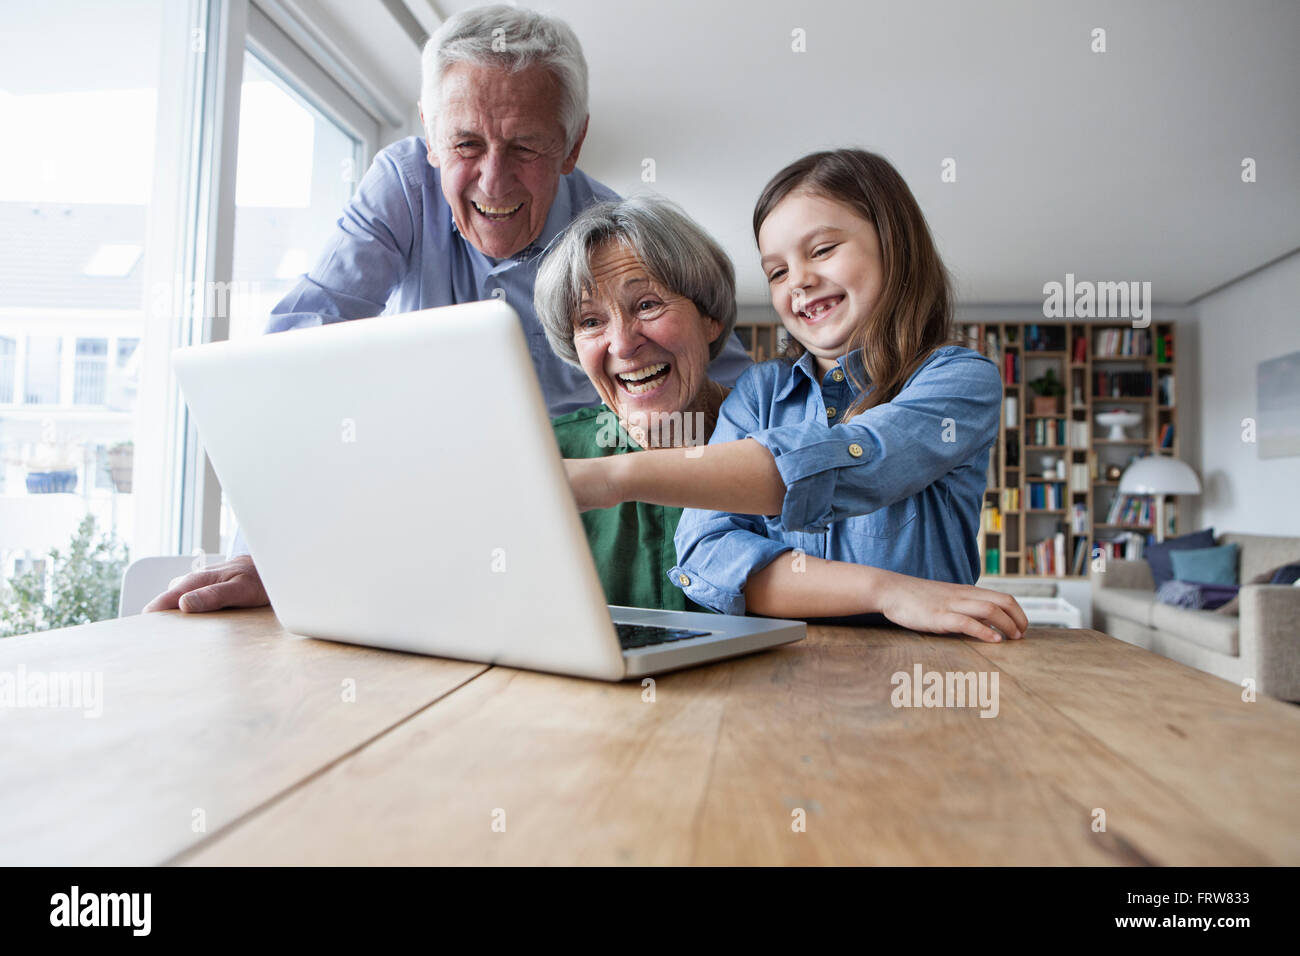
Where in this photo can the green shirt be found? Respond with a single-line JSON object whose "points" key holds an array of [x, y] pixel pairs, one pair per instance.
{"points": [[632, 543]]}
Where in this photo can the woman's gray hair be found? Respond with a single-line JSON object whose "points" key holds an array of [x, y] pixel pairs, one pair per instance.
{"points": [[670, 244], [511, 39]]}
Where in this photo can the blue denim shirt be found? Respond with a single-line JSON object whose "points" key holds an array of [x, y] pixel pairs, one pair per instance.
{"points": [[397, 249], [898, 487]]}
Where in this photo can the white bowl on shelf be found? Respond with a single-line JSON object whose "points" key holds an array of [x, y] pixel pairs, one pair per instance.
{"points": [[1117, 420]]}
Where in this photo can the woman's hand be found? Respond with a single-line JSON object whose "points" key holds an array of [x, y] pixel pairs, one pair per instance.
{"points": [[941, 608], [594, 481]]}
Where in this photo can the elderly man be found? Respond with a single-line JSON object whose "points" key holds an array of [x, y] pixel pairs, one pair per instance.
{"points": [[457, 217]]}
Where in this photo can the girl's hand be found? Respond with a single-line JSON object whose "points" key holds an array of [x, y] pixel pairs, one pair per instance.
{"points": [[941, 608], [594, 482]]}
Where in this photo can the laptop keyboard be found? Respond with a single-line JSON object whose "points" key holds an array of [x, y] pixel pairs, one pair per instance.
{"points": [[645, 635]]}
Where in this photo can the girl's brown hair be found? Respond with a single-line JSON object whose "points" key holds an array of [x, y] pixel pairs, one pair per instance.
{"points": [[913, 314]]}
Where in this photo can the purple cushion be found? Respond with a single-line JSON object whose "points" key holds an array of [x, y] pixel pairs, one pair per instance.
{"points": [[1214, 596], [1157, 554], [1195, 596]]}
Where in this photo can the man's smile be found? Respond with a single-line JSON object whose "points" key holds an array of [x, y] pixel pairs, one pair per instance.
{"points": [[496, 213]]}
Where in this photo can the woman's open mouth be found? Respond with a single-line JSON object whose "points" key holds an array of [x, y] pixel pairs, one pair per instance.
{"points": [[642, 381], [495, 213]]}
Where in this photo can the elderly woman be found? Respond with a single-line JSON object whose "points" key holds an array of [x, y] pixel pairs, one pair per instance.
{"points": [[641, 299]]}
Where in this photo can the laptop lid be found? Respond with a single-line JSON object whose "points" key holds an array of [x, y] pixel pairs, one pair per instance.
{"points": [[398, 484]]}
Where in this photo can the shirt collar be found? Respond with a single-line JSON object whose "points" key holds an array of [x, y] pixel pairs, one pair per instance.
{"points": [[806, 368]]}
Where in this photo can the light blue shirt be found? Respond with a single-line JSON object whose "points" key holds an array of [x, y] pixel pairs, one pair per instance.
{"points": [[397, 249], [898, 487]]}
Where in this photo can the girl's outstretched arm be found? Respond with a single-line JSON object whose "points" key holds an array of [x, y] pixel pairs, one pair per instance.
{"points": [[736, 476], [809, 473], [801, 586]]}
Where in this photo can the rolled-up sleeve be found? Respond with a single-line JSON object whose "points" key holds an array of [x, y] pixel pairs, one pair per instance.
{"points": [[718, 551], [365, 257], [945, 414]]}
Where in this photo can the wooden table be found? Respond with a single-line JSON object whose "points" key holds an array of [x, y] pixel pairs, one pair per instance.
{"points": [[225, 740]]}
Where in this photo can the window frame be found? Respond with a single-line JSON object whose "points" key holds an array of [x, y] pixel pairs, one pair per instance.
{"points": [[238, 26]]}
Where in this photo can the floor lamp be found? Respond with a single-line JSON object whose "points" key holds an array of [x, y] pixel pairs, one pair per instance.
{"points": [[1159, 475]]}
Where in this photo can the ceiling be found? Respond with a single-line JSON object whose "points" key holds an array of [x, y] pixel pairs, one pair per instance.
{"points": [[1122, 165]]}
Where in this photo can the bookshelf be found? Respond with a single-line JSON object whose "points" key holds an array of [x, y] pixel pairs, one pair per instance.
{"points": [[1039, 524], [762, 340]]}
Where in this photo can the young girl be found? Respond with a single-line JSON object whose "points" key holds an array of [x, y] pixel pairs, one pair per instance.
{"points": [[847, 477]]}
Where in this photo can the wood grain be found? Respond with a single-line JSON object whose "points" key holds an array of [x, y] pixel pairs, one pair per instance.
{"points": [[218, 712], [713, 770], [1237, 762]]}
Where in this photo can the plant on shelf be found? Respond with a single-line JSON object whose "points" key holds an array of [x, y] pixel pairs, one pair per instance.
{"points": [[83, 587], [1047, 393]]}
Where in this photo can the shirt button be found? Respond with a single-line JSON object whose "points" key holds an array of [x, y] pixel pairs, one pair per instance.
{"points": [[837, 375], [855, 450], [830, 412], [683, 580]]}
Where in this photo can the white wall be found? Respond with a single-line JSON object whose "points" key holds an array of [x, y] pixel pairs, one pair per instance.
{"points": [[1248, 322]]}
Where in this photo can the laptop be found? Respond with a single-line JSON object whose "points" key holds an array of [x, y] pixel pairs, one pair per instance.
{"points": [[398, 485]]}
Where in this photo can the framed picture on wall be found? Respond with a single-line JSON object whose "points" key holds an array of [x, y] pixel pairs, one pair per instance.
{"points": [[1278, 416]]}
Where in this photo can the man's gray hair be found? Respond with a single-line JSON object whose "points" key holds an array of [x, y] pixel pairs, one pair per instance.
{"points": [[675, 251], [511, 39]]}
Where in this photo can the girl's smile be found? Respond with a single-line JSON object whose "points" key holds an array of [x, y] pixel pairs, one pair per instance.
{"points": [[819, 309]]}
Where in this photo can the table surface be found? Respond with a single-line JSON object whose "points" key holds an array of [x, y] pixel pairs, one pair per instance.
{"points": [[226, 740]]}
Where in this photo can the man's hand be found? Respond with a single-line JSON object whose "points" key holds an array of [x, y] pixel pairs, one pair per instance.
{"points": [[235, 583]]}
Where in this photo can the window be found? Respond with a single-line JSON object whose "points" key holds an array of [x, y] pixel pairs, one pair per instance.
{"points": [[116, 208], [90, 374], [126, 351], [41, 375], [89, 151], [8, 359], [299, 161], [297, 169]]}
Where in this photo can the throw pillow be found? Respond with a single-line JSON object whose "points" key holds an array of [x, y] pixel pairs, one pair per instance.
{"points": [[1180, 594], [1214, 596], [1196, 597], [1287, 574], [1233, 607], [1206, 565], [1157, 554]]}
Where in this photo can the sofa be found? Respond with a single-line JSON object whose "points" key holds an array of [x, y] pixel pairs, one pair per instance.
{"points": [[1263, 642]]}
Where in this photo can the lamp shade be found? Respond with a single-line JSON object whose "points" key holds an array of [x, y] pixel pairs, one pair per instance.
{"points": [[1159, 475]]}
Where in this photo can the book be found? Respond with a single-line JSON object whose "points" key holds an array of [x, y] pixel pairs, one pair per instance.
{"points": [[1166, 389], [1080, 555], [1079, 518]]}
